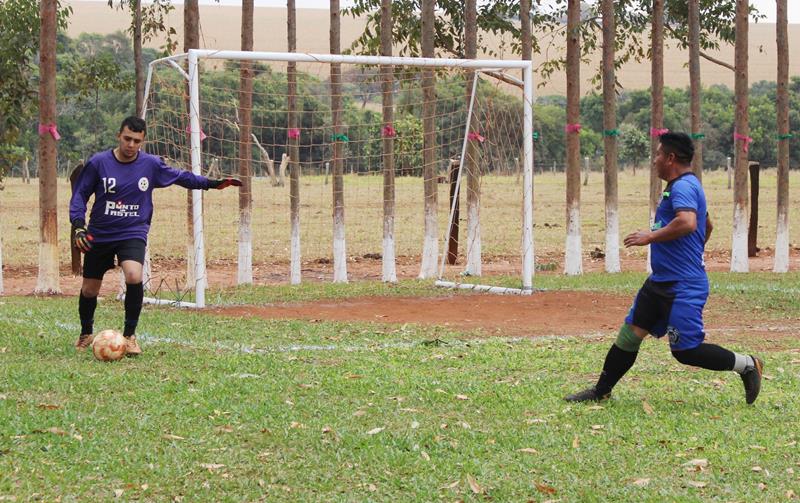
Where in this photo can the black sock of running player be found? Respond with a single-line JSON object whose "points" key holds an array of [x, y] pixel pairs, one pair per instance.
{"points": [[86, 307], [707, 356], [134, 293], [617, 363]]}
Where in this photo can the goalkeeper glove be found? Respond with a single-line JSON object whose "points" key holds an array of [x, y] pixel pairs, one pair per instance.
{"points": [[222, 183], [81, 238]]}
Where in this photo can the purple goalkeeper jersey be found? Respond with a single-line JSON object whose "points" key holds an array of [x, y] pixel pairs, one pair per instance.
{"points": [[123, 194]]}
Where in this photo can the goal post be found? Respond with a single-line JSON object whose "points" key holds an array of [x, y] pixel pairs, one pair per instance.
{"points": [[299, 236]]}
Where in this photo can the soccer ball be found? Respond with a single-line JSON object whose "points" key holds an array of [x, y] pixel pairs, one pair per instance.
{"points": [[109, 346]]}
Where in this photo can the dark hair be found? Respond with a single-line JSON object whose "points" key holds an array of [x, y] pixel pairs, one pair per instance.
{"points": [[679, 144], [135, 124]]}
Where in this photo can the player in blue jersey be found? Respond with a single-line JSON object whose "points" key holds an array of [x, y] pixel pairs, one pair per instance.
{"points": [[122, 182], [671, 300]]}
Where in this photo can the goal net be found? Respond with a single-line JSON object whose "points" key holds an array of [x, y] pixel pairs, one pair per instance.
{"points": [[350, 166]]}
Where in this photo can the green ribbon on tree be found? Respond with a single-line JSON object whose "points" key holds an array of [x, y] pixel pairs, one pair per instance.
{"points": [[611, 132], [787, 136], [697, 136], [339, 137], [536, 135]]}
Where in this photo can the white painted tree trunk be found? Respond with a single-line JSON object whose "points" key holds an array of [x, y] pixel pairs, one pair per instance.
{"points": [[473, 236], [48, 280], [739, 261], [339, 251], [389, 260], [782, 244], [573, 264], [612, 240], [430, 247], [295, 266], [245, 262]]}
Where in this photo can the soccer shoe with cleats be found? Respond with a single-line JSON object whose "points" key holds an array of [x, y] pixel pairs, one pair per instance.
{"points": [[588, 395], [84, 341], [133, 348], [752, 380]]}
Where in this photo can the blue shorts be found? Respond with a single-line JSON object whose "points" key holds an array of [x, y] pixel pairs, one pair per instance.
{"points": [[672, 308]]}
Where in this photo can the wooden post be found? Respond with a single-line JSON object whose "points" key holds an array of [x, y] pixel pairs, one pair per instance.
{"points": [[752, 231], [452, 242]]}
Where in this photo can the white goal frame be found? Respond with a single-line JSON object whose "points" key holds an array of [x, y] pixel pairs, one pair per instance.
{"points": [[194, 56]]}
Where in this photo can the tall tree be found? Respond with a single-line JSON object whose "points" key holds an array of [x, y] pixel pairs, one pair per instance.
{"points": [[48, 280], [739, 261], [245, 262], [387, 95], [656, 102], [138, 63], [573, 262], [695, 89], [339, 250], [430, 250], [610, 134], [294, 146], [471, 166], [191, 40], [782, 112]]}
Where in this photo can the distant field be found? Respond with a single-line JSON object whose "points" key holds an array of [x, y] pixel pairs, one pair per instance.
{"points": [[220, 28], [500, 217]]}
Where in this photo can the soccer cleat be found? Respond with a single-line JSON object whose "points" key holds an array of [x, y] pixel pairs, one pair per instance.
{"points": [[752, 380], [133, 348], [84, 341], [588, 395]]}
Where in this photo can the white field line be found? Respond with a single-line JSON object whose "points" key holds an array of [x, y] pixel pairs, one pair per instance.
{"points": [[150, 338]]}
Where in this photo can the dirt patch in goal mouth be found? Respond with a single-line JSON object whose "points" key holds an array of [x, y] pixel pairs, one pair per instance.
{"points": [[547, 313]]}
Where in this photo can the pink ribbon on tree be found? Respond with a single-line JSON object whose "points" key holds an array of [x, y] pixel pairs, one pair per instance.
{"points": [[202, 134], [655, 132], [572, 128], [746, 139], [475, 136], [388, 131], [51, 129], [293, 133]]}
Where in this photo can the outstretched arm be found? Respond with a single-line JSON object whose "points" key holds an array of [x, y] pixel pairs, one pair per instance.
{"points": [[166, 176]]}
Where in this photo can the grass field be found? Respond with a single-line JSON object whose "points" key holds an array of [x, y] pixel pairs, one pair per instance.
{"points": [[244, 409], [501, 217]]}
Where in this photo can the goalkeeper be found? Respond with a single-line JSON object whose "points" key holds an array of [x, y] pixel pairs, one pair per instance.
{"points": [[671, 300], [122, 182]]}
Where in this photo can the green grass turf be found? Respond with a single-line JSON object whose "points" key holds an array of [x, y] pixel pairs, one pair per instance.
{"points": [[222, 409]]}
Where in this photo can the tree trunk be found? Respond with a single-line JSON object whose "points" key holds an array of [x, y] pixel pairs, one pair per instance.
{"points": [[48, 280], [191, 40], [294, 147], [389, 273], [695, 89], [739, 262], [430, 249], [471, 167], [610, 135], [137, 56], [782, 229], [245, 262], [339, 250], [573, 263], [656, 105]]}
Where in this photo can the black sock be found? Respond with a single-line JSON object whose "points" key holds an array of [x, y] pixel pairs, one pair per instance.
{"points": [[86, 307], [134, 293], [707, 356], [617, 363]]}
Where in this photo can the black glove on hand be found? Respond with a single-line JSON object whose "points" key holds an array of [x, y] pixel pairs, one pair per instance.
{"points": [[81, 238], [224, 182]]}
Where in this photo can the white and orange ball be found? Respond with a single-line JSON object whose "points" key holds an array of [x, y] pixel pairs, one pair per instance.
{"points": [[109, 346]]}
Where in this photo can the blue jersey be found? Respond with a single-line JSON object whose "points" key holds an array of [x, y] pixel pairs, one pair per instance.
{"points": [[123, 194], [682, 258]]}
